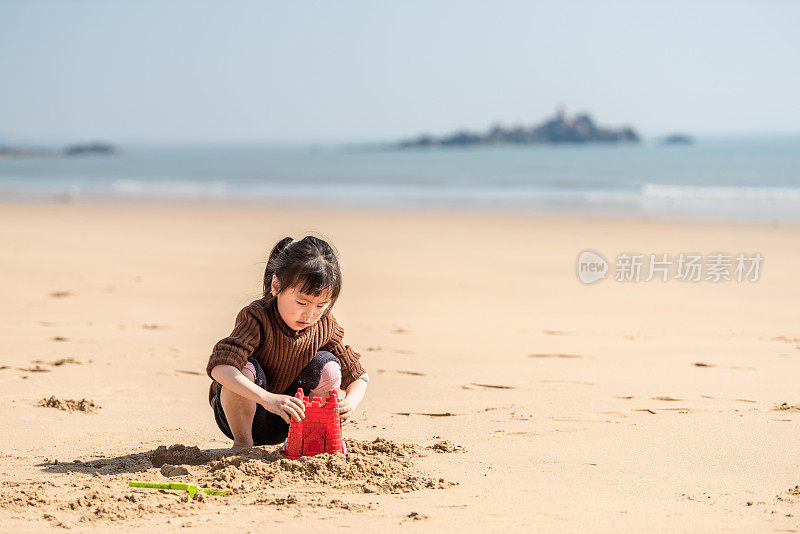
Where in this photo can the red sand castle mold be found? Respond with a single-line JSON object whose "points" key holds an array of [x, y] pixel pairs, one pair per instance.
{"points": [[319, 431]]}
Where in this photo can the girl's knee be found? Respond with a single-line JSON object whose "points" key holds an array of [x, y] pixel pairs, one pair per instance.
{"points": [[324, 356], [330, 378]]}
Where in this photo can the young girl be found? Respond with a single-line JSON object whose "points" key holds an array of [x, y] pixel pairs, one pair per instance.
{"points": [[285, 340]]}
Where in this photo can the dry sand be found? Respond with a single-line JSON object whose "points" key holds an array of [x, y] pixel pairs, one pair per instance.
{"points": [[504, 394]]}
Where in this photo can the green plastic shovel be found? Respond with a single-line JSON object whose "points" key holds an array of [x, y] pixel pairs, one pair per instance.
{"points": [[191, 488]]}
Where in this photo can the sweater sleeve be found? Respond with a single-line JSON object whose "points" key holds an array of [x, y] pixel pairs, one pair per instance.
{"points": [[240, 345], [349, 358]]}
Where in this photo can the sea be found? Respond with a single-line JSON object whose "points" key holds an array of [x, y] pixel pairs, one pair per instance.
{"points": [[718, 178]]}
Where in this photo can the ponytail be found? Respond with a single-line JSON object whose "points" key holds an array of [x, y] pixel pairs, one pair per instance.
{"points": [[273, 257]]}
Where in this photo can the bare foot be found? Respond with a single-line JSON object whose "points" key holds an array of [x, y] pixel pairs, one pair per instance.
{"points": [[238, 447]]}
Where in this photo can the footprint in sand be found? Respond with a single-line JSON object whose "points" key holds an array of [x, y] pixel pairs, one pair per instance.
{"points": [[40, 365], [185, 372], [737, 367], [59, 338], [401, 372], [737, 400], [507, 433], [60, 294], [34, 369], [491, 386], [68, 361], [61, 361], [678, 410], [786, 339]]}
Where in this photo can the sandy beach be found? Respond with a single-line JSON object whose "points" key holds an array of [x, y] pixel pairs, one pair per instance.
{"points": [[504, 393]]}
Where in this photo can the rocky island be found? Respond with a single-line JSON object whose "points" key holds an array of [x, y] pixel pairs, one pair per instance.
{"points": [[560, 129], [677, 139], [89, 149], [20, 152], [72, 150]]}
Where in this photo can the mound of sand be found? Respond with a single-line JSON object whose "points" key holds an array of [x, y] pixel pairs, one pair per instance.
{"points": [[173, 470], [98, 490], [378, 466], [69, 405], [178, 455]]}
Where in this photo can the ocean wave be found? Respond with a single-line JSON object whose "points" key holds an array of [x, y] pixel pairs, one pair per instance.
{"points": [[171, 187], [649, 198], [735, 193]]}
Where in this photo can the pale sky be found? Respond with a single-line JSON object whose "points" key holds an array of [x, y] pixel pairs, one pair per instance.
{"points": [[253, 72]]}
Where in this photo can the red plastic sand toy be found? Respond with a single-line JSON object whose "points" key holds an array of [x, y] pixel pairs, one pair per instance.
{"points": [[319, 431]]}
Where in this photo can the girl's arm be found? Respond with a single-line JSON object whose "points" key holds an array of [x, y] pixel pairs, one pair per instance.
{"points": [[233, 379], [242, 343], [355, 392], [283, 405], [348, 358]]}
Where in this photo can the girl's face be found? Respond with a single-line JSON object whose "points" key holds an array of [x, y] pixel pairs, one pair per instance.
{"points": [[299, 310]]}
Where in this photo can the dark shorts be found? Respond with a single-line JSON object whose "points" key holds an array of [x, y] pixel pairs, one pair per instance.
{"points": [[270, 428]]}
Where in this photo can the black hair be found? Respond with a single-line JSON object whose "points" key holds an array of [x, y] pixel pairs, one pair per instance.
{"points": [[310, 266]]}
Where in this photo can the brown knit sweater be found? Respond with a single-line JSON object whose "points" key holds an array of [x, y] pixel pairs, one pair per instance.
{"points": [[282, 352]]}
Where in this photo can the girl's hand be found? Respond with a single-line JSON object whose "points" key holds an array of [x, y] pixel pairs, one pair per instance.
{"points": [[285, 406], [346, 409]]}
